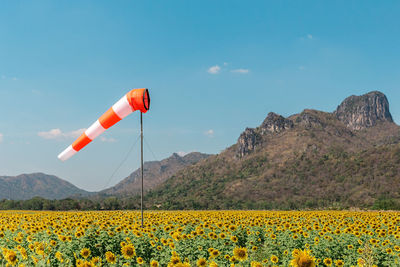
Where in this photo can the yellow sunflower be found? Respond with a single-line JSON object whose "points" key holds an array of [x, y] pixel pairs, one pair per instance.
{"points": [[59, 256], [175, 260], [110, 257], [95, 260], [139, 260], [274, 259], [328, 261], [339, 263], [256, 264], [201, 262], [303, 259], [11, 257], [85, 252], [85, 264], [215, 253], [128, 251], [240, 253]]}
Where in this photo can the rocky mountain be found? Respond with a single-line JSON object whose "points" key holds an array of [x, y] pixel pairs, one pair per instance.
{"points": [[27, 186], [359, 112], [252, 138], [314, 159], [155, 173]]}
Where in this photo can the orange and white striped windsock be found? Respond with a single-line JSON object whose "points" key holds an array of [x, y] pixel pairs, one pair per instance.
{"points": [[136, 99]]}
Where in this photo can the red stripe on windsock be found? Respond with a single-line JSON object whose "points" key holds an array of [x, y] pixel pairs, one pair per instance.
{"points": [[109, 118], [82, 141], [136, 99]]}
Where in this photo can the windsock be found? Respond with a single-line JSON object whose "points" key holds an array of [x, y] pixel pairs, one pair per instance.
{"points": [[136, 99]]}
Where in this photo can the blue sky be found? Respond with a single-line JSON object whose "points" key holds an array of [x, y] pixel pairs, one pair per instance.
{"points": [[213, 68]]}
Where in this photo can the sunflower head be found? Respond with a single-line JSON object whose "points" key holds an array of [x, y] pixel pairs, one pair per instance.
{"points": [[128, 251], [85, 252], [201, 262], [302, 259], [139, 260], [110, 257], [274, 259], [11, 257], [240, 253], [328, 261]]}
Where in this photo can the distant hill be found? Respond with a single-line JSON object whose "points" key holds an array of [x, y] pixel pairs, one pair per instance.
{"points": [[27, 186], [350, 157], [155, 173]]}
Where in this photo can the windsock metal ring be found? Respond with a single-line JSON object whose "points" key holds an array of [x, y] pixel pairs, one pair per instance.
{"points": [[136, 99]]}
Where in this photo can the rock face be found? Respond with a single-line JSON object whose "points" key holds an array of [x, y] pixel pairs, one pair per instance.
{"points": [[247, 142], [251, 138], [360, 112], [356, 112], [275, 123], [308, 119]]}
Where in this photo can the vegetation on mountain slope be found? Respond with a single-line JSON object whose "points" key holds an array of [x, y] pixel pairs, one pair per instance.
{"points": [[317, 161]]}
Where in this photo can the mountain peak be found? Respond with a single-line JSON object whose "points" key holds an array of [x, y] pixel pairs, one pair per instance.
{"points": [[26, 186], [360, 112], [275, 123]]}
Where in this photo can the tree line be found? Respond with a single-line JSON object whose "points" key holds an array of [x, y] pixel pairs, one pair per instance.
{"points": [[38, 203], [133, 203]]}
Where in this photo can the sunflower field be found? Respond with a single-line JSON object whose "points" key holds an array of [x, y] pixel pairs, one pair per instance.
{"points": [[200, 238]]}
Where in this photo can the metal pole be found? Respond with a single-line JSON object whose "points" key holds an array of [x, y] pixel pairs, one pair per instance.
{"points": [[141, 158]]}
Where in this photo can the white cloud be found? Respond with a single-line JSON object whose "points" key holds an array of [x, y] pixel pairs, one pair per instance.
{"points": [[209, 133], [226, 64], [302, 68], [58, 134], [214, 69], [76, 133], [4, 77], [105, 139], [241, 71], [1, 137], [308, 37], [52, 134]]}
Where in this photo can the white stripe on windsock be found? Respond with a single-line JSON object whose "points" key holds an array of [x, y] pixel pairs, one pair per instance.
{"points": [[122, 108], [94, 130], [67, 153]]}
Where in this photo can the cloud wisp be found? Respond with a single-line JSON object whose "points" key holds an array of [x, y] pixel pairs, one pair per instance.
{"points": [[214, 69], [225, 66], [209, 133], [108, 140], [57, 134], [308, 36], [1, 138], [4, 77], [241, 71]]}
